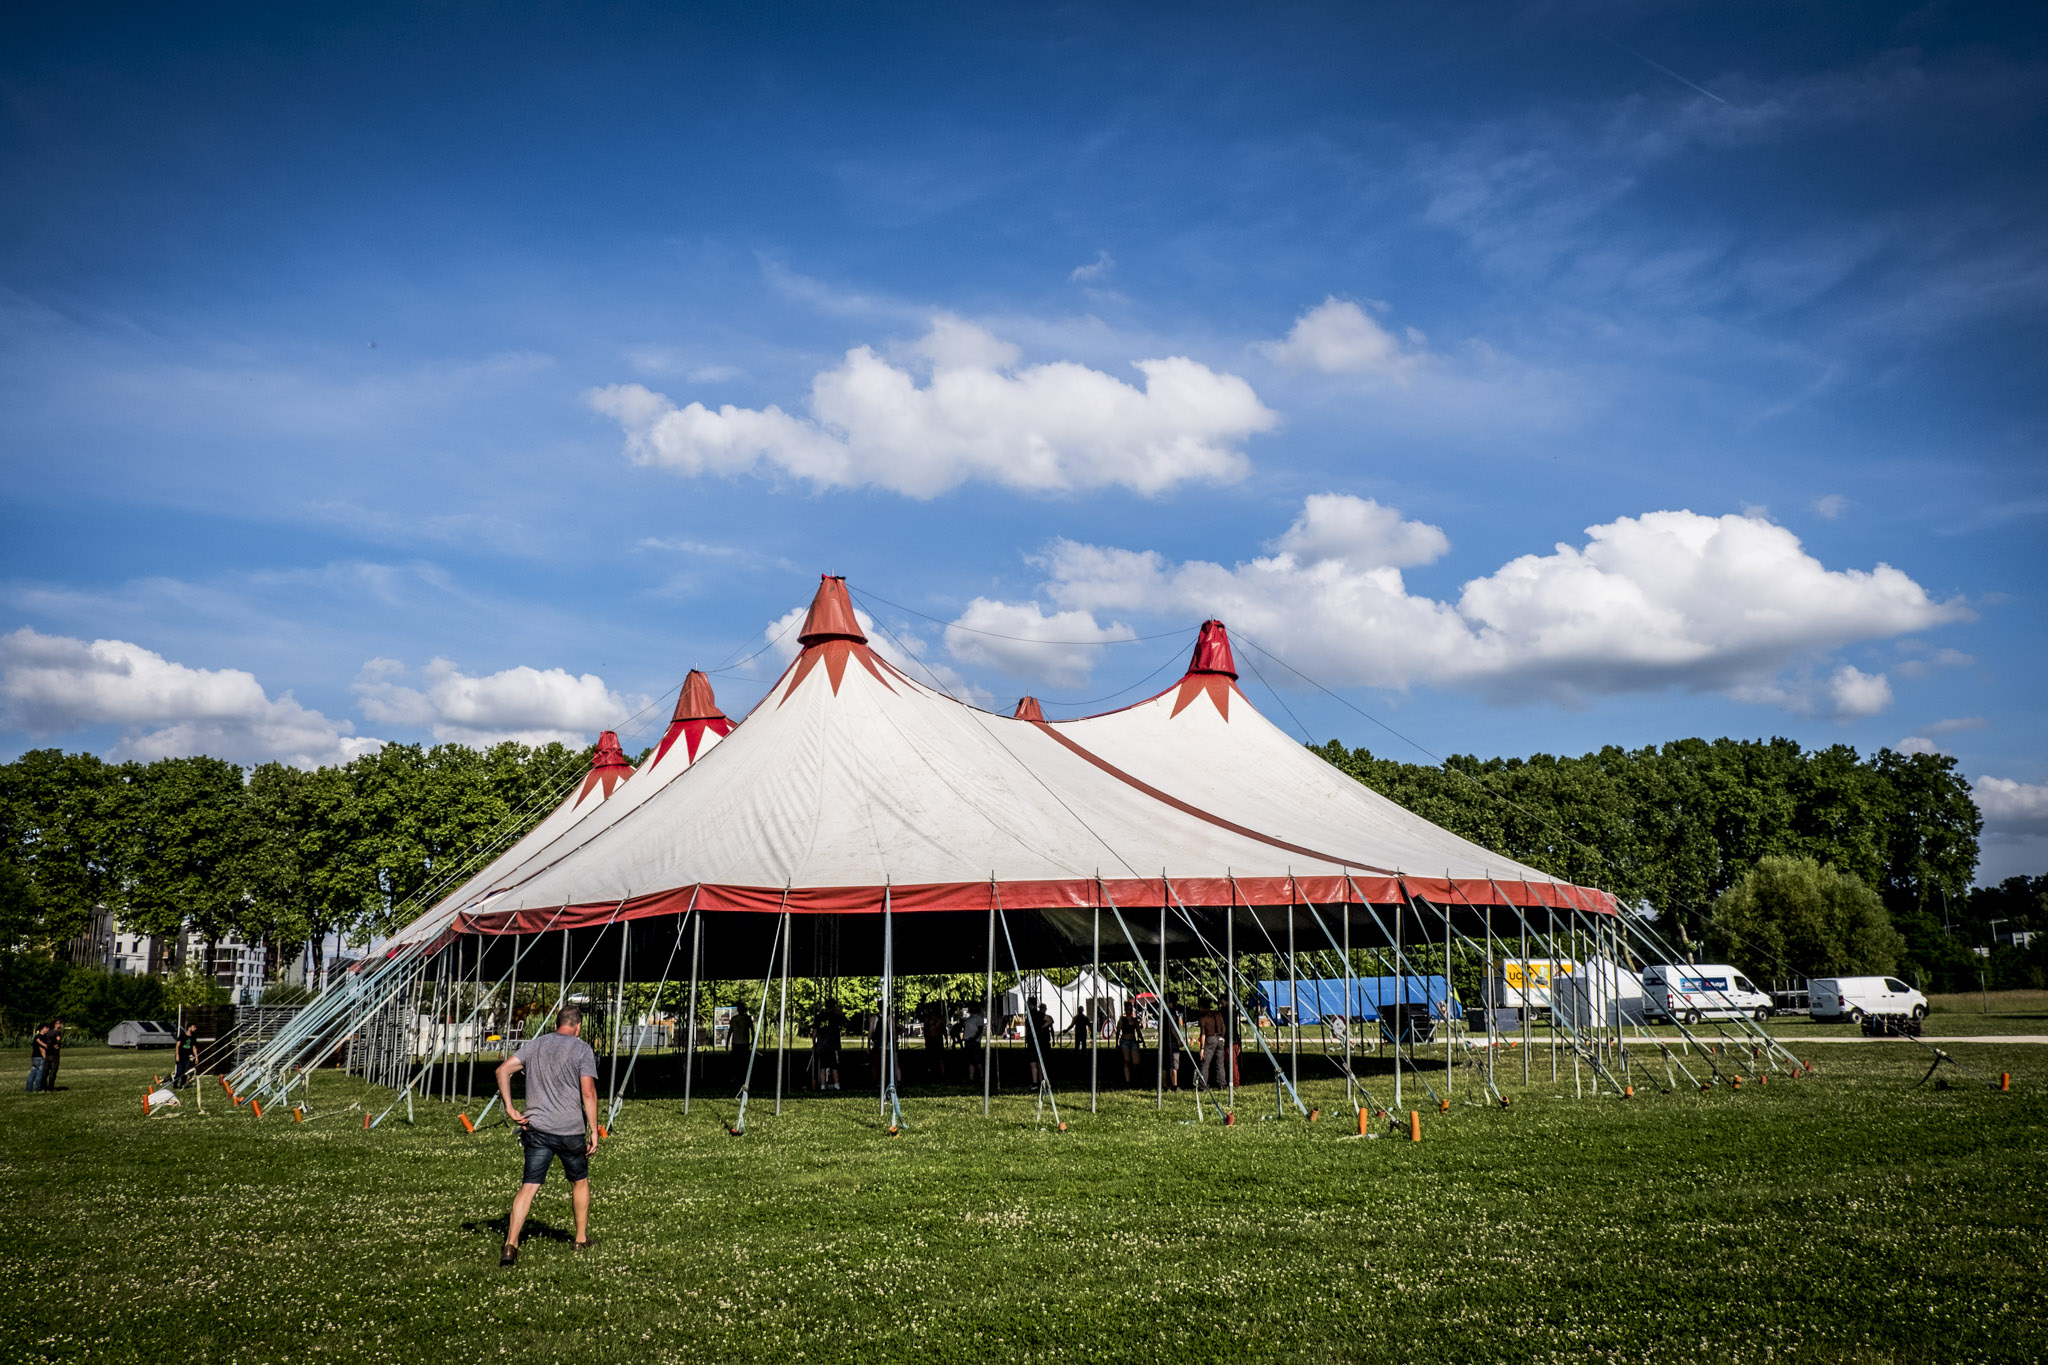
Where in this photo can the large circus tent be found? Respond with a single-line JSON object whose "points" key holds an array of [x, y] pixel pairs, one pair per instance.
{"points": [[858, 822]]}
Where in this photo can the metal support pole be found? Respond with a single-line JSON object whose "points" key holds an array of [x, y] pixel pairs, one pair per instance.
{"points": [[1293, 1002], [885, 1027], [511, 999], [1349, 997], [1230, 988], [782, 1018], [1493, 985], [1578, 1091], [1094, 985], [618, 1020], [1159, 1085], [988, 1003], [1401, 999], [475, 1038], [1446, 909], [690, 1045], [1524, 1011]]}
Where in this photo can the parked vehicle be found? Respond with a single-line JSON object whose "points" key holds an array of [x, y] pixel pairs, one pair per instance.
{"points": [[1690, 992], [1854, 997]]}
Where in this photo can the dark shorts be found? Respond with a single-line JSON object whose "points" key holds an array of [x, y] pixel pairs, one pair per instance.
{"points": [[543, 1148]]}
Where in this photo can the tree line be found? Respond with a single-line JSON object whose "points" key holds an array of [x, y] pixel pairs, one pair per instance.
{"points": [[1694, 831], [283, 855], [1793, 861]]}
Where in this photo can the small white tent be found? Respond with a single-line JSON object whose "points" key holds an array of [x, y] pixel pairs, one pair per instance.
{"points": [[1088, 994]]}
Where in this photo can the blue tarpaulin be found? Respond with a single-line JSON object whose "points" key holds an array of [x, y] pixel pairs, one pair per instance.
{"points": [[1368, 994]]}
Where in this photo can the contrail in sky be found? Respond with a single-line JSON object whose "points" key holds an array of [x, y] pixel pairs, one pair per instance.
{"points": [[1659, 66]]}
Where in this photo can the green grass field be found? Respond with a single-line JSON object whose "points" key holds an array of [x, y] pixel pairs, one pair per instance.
{"points": [[1846, 1216]]}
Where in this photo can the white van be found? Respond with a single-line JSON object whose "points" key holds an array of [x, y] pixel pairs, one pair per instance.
{"points": [[1852, 997], [1689, 993]]}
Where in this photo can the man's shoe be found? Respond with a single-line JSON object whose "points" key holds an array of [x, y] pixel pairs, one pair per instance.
{"points": [[509, 1256], [586, 1244]]}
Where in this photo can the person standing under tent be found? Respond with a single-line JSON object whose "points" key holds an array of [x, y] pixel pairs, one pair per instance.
{"points": [[1130, 1033], [560, 1120], [1081, 1030], [1170, 1035], [826, 1032], [188, 1056], [935, 1038], [973, 1024], [1038, 1032], [739, 1037], [39, 1057], [1215, 1046]]}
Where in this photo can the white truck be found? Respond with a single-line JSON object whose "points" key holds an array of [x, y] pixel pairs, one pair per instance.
{"points": [[1690, 992], [1853, 997]]}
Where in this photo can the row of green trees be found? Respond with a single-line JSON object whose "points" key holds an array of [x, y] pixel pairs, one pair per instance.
{"points": [[276, 853], [1790, 861], [1811, 860]]}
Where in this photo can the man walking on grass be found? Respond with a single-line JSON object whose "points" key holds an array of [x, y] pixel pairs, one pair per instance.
{"points": [[560, 1120]]}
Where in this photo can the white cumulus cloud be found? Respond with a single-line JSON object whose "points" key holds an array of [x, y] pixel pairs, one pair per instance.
{"points": [[961, 407], [1667, 599], [2012, 808], [531, 705], [1022, 640], [1338, 337], [55, 685]]}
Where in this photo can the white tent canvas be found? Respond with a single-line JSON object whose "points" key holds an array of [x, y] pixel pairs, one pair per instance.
{"points": [[1088, 995], [851, 785]]}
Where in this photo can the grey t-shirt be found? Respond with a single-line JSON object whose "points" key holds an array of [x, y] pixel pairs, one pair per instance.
{"points": [[555, 1067]]}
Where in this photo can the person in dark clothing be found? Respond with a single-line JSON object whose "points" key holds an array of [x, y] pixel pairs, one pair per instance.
{"points": [[39, 1057], [188, 1056], [826, 1032], [1081, 1030], [1170, 1034], [1215, 1046], [1038, 1025], [51, 1054], [739, 1034], [935, 1038], [1130, 1036]]}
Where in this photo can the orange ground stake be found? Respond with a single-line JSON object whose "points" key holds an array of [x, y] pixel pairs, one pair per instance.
{"points": [[1443, 1106], [1229, 1120], [145, 1106], [1361, 1123], [366, 1123], [601, 1132], [1414, 1126], [1314, 1114], [256, 1107], [2005, 1080], [466, 1124], [298, 1114]]}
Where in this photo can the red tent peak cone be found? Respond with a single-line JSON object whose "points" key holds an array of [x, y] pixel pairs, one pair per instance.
{"points": [[1212, 651], [1028, 709], [697, 715], [831, 616], [608, 754], [1212, 673], [832, 636], [697, 701], [608, 767]]}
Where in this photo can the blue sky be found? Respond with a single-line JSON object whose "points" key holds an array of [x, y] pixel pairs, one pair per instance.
{"points": [[1534, 377]]}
